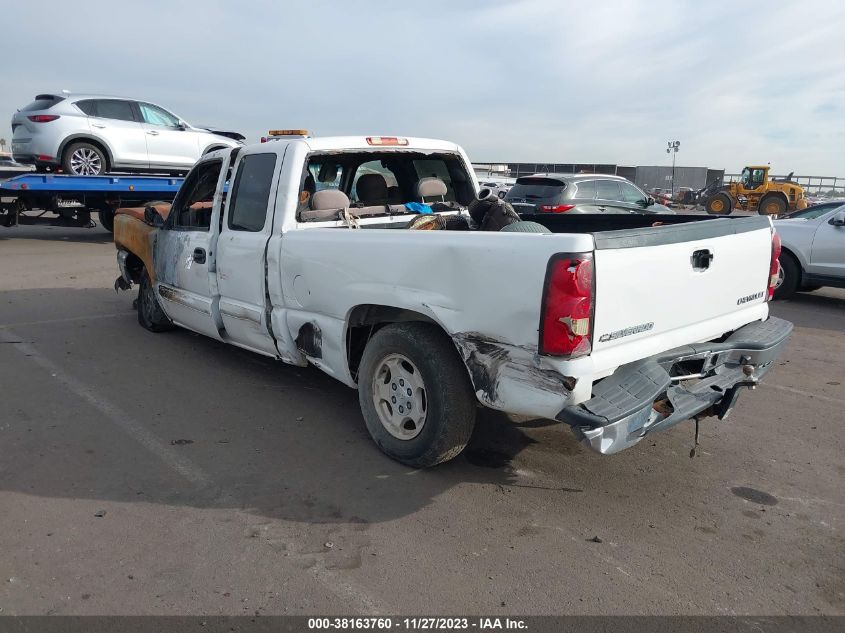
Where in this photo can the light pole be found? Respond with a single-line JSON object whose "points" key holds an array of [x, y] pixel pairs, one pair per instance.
{"points": [[673, 149]]}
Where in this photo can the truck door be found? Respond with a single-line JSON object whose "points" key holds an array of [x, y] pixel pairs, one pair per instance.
{"points": [[184, 251], [242, 250]]}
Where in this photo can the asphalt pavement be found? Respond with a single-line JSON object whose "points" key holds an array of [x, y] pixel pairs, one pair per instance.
{"points": [[168, 473]]}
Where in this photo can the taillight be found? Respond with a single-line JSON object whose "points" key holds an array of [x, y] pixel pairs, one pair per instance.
{"points": [[42, 118], [556, 208], [774, 264], [567, 309]]}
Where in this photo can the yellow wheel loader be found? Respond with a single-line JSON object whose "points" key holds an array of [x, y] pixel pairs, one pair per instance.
{"points": [[753, 192]]}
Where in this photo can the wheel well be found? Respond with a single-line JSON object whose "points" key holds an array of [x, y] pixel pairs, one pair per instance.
{"points": [[367, 319], [786, 251], [779, 194], [86, 139], [134, 266]]}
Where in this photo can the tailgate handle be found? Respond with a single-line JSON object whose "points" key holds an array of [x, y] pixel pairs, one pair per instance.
{"points": [[701, 259]]}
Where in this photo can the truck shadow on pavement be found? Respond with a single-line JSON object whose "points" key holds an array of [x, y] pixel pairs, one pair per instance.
{"points": [[121, 414]]}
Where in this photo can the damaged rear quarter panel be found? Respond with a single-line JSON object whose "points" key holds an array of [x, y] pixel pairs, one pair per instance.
{"points": [[483, 289], [512, 378]]}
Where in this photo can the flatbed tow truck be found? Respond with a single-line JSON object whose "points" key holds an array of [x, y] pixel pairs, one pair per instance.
{"points": [[70, 200]]}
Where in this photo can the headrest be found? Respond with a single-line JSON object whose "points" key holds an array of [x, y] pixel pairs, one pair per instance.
{"points": [[371, 187], [329, 199], [428, 187]]}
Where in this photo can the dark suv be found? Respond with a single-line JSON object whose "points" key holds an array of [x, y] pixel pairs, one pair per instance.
{"points": [[580, 193]]}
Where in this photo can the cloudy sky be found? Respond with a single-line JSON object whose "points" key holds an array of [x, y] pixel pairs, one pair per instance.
{"points": [[532, 80]]}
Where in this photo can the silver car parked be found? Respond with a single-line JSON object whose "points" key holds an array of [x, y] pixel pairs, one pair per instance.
{"points": [[94, 134], [812, 249]]}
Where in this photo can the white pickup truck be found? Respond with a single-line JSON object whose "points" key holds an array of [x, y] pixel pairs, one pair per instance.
{"points": [[308, 250]]}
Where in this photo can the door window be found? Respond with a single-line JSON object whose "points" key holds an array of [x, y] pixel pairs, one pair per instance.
{"points": [[585, 190], [631, 194], [193, 204], [608, 190], [251, 192], [157, 116]]}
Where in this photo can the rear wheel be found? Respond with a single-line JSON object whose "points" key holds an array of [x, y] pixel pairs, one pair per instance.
{"points": [[771, 205], [415, 394], [150, 314], [84, 159], [789, 276], [107, 219], [720, 204]]}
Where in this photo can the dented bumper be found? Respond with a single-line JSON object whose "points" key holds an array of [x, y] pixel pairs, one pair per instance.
{"points": [[652, 394]]}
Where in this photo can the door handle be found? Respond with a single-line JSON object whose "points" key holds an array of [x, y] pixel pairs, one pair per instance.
{"points": [[701, 260], [99, 125], [152, 133], [199, 255]]}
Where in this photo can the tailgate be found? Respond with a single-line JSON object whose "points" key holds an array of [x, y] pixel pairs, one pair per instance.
{"points": [[662, 287]]}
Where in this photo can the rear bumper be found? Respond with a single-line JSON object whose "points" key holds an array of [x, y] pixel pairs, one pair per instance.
{"points": [[642, 397]]}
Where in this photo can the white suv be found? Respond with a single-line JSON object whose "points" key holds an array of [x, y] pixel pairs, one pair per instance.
{"points": [[93, 134]]}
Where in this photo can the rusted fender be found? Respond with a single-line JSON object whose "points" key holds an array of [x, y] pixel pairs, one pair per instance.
{"points": [[134, 235]]}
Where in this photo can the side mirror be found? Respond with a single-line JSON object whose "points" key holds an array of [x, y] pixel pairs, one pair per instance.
{"points": [[181, 125], [649, 201], [152, 217]]}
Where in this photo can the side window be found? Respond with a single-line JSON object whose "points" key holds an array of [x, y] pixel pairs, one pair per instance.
{"points": [[631, 194], [193, 204], [114, 109], [157, 116], [608, 190], [585, 190], [250, 194], [88, 106]]}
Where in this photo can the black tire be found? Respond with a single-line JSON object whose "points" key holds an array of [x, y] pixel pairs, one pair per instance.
{"points": [[720, 204], [448, 399], [150, 315], [771, 205], [107, 219], [84, 159], [791, 270], [524, 227]]}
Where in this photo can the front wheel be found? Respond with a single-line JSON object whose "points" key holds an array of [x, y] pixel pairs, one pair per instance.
{"points": [[84, 159], [415, 394], [789, 276], [150, 315], [720, 204], [771, 205]]}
